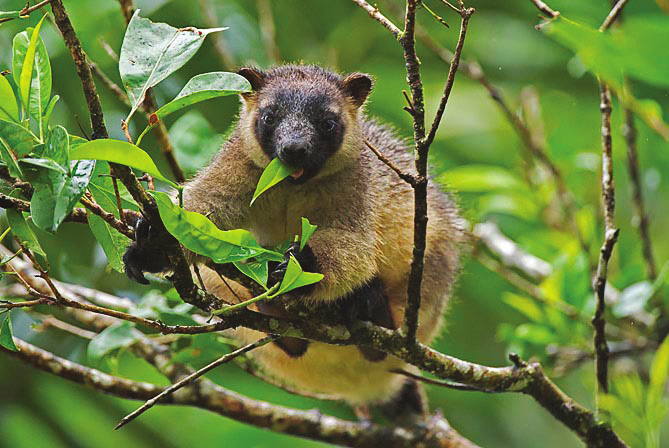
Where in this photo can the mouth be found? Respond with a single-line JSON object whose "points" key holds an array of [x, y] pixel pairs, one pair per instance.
{"points": [[297, 173]]}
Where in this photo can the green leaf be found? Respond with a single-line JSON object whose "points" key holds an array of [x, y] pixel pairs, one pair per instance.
{"points": [[44, 163], [6, 337], [26, 76], [119, 152], [152, 51], [17, 138], [295, 277], [307, 230], [195, 141], [49, 109], [56, 192], [200, 88], [275, 172], [637, 50], [112, 242], [58, 147], [9, 110], [258, 271], [40, 86], [197, 233], [9, 159], [659, 371], [524, 305], [112, 338], [23, 232], [481, 178]]}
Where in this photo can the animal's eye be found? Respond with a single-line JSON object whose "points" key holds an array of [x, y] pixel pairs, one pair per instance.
{"points": [[329, 125], [267, 118]]}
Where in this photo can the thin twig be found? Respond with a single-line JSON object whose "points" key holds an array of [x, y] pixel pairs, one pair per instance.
{"points": [[192, 377], [407, 177], [466, 15], [440, 383], [374, 13], [611, 233], [613, 15], [25, 12], [541, 6], [50, 321], [109, 218]]}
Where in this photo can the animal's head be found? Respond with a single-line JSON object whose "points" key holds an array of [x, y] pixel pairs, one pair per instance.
{"points": [[304, 115]]}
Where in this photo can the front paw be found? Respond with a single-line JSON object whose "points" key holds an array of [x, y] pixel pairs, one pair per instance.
{"points": [[145, 254]]}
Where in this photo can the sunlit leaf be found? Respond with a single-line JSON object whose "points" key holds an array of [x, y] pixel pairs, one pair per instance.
{"points": [[200, 88], [152, 51], [480, 178], [6, 337], [25, 78], [307, 231], [275, 172], [197, 233], [119, 152], [9, 110], [659, 372], [295, 277]]}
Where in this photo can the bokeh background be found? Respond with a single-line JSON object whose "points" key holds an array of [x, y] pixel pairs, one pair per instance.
{"points": [[37, 409]]}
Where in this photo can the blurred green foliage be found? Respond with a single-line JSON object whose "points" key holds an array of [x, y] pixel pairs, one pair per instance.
{"points": [[476, 153]]}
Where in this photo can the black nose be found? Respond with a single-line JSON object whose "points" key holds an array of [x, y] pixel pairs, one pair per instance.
{"points": [[293, 153]]}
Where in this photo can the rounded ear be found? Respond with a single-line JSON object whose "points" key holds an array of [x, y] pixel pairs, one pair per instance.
{"points": [[357, 86], [254, 76]]}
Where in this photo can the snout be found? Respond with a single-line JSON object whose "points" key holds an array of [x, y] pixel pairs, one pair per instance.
{"points": [[293, 153]]}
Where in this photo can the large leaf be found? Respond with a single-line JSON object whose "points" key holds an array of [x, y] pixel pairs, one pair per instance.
{"points": [[118, 151], [275, 172], [152, 51], [58, 146], [9, 110], [6, 337], [638, 50], [56, 193], [40, 85], [200, 88], [17, 138], [33, 102], [198, 234], [112, 242], [258, 271], [23, 232]]}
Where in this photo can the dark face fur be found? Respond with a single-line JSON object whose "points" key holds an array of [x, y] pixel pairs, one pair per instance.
{"points": [[301, 129], [300, 114]]}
